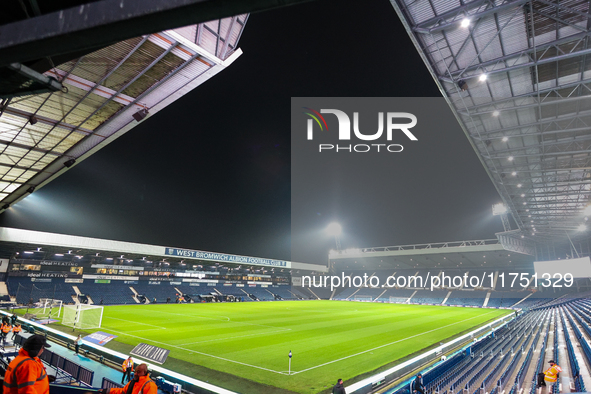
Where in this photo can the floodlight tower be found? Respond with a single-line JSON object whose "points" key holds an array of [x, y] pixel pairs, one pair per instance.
{"points": [[501, 210], [335, 229]]}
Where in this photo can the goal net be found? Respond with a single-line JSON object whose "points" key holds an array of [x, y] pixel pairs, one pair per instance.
{"points": [[82, 316], [398, 299], [363, 298], [50, 307]]}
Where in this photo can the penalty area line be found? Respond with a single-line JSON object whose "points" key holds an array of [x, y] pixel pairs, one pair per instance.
{"points": [[239, 336], [135, 322], [201, 353], [387, 344]]}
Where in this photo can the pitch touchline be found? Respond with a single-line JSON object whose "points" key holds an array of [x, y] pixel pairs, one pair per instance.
{"points": [[387, 344], [204, 354]]}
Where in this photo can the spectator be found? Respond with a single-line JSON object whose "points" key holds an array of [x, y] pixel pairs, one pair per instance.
{"points": [[417, 385], [339, 388], [78, 343]]}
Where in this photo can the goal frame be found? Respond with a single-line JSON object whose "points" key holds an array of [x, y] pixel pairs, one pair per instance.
{"points": [[78, 316], [50, 303]]}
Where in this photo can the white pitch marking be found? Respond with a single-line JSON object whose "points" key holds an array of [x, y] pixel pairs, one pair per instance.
{"points": [[387, 344], [135, 322], [204, 354], [231, 321], [239, 336]]}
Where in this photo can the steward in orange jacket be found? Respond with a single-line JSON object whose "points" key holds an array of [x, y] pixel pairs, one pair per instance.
{"points": [[15, 330], [26, 373], [142, 384]]}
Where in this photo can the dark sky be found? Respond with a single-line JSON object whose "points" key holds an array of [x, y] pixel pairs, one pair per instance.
{"points": [[212, 171]]}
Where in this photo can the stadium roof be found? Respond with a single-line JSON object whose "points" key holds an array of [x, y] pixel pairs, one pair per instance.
{"points": [[488, 253], [14, 241], [517, 75], [105, 94]]}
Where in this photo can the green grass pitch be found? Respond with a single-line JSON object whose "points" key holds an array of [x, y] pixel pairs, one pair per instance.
{"points": [[328, 339]]}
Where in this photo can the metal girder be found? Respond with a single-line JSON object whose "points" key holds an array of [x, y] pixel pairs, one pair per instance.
{"points": [[24, 81], [44, 120], [549, 101], [539, 154], [517, 55], [542, 92], [566, 141], [536, 124], [533, 63], [442, 22], [102, 23]]}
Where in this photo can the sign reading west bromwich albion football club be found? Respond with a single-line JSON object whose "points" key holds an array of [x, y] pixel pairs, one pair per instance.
{"points": [[225, 258]]}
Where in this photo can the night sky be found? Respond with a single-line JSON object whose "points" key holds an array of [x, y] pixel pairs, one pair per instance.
{"points": [[212, 171]]}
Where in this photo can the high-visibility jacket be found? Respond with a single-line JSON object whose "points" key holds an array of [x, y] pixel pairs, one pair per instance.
{"points": [[17, 329], [551, 374], [128, 363], [144, 385], [5, 328], [26, 375]]}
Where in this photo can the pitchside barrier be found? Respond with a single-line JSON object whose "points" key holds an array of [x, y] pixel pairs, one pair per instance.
{"points": [[188, 383], [368, 385]]}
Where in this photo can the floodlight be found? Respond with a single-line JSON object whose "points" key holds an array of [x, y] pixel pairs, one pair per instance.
{"points": [[582, 227], [334, 229], [499, 209], [514, 173], [505, 139], [465, 23], [482, 77], [510, 158], [496, 113]]}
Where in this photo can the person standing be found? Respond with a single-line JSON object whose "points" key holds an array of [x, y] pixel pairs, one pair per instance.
{"points": [[15, 330], [5, 328], [127, 368], [78, 343], [417, 385], [339, 388], [141, 383], [551, 374], [26, 373]]}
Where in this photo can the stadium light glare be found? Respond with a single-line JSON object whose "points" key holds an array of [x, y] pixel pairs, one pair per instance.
{"points": [[465, 23], [334, 229], [582, 227], [482, 77], [505, 139], [510, 158], [496, 113], [519, 185], [514, 173], [499, 209]]}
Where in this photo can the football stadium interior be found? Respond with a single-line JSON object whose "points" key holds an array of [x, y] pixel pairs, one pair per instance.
{"points": [[475, 316]]}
